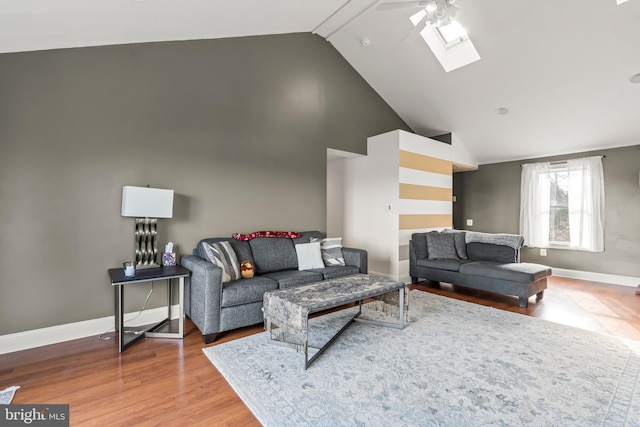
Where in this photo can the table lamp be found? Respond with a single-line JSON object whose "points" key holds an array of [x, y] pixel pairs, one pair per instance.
{"points": [[146, 205]]}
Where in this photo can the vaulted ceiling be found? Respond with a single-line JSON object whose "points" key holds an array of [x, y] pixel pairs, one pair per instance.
{"points": [[561, 68]]}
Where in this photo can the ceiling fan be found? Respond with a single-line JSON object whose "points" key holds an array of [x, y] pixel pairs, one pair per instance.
{"points": [[438, 12]]}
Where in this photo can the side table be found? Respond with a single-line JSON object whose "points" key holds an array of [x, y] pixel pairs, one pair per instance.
{"points": [[166, 328]]}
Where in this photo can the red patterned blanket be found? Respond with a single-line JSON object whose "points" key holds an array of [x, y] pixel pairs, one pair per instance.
{"points": [[287, 234]]}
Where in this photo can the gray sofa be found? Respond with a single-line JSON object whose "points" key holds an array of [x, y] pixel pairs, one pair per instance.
{"points": [[483, 261], [215, 308]]}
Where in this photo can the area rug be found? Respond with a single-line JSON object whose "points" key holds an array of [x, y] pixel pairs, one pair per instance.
{"points": [[454, 364]]}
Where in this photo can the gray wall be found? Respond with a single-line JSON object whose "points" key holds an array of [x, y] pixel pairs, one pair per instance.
{"points": [[237, 127], [491, 197]]}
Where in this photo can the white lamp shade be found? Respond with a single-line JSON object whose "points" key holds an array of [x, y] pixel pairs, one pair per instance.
{"points": [[145, 202]]}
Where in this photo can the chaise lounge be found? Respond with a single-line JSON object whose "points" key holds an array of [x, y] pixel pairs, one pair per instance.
{"points": [[483, 261]]}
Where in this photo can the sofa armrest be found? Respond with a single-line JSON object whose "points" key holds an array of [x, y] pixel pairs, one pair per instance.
{"points": [[357, 258], [203, 293]]}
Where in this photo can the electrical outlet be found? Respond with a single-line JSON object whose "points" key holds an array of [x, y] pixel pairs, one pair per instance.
{"points": [[470, 222], [543, 252]]}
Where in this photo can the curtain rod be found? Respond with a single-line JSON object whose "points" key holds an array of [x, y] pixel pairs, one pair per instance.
{"points": [[559, 162]]}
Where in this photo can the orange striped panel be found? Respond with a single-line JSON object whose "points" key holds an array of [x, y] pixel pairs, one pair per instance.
{"points": [[425, 163], [415, 221], [425, 192]]}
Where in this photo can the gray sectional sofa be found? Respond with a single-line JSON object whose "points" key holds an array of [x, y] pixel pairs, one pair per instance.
{"points": [[476, 260], [215, 308]]}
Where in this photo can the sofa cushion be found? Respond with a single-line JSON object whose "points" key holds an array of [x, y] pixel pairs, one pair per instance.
{"points": [[223, 255], [337, 271], [489, 252], [441, 264], [460, 242], [309, 256], [245, 291], [441, 246], [273, 254], [291, 278], [241, 248], [515, 272]]}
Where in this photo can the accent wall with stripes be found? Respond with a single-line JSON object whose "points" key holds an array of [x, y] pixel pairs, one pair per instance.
{"points": [[403, 185]]}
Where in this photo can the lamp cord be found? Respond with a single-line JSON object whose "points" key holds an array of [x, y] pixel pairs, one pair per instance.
{"points": [[104, 337]]}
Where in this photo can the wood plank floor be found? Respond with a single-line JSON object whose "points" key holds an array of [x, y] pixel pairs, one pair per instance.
{"points": [[171, 383]]}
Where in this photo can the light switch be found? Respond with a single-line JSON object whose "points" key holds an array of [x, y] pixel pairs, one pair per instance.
{"points": [[470, 222], [543, 252]]}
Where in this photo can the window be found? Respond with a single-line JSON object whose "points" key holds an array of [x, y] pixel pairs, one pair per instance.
{"points": [[559, 204], [562, 204]]}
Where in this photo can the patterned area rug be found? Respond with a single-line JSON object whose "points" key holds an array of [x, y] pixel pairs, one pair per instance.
{"points": [[455, 364]]}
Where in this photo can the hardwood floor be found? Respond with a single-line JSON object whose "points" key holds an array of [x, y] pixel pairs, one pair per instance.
{"points": [[170, 382]]}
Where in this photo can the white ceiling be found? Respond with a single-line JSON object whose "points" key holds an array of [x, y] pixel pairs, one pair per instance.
{"points": [[562, 68]]}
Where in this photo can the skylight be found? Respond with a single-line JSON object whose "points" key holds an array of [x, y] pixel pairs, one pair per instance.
{"points": [[452, 33], [449, 43]]}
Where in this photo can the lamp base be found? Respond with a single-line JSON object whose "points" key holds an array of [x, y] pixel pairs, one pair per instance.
{"points": [[147, 266], [146, 243]]}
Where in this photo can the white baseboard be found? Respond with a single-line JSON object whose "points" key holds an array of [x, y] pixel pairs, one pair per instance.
{"points": [[597, 277], [71, 331]]}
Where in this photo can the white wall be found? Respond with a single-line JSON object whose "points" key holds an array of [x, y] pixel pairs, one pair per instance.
{"points": [[371, 195], [363, 197]]}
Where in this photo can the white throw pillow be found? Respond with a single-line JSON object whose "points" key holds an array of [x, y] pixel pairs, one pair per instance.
{"points": [[309, 256]]}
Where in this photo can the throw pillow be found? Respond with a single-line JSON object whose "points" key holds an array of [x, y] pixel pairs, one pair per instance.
{"points": [[460, 242], [332, 251], [223, 255], [309, 256], [441, 246]]}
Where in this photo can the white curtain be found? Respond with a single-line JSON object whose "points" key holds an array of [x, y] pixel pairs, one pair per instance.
{"points": [[586, 204], [534, 204]]}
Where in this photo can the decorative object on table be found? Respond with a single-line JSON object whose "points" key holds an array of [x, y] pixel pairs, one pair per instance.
{"points": [[523, 371], [247, 269], [169, 257], [129, 268], [146, 205], [286, 234]]}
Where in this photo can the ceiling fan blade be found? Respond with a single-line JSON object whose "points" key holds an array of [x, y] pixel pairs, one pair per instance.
{"points": [[418, 28], [402, 5]]}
